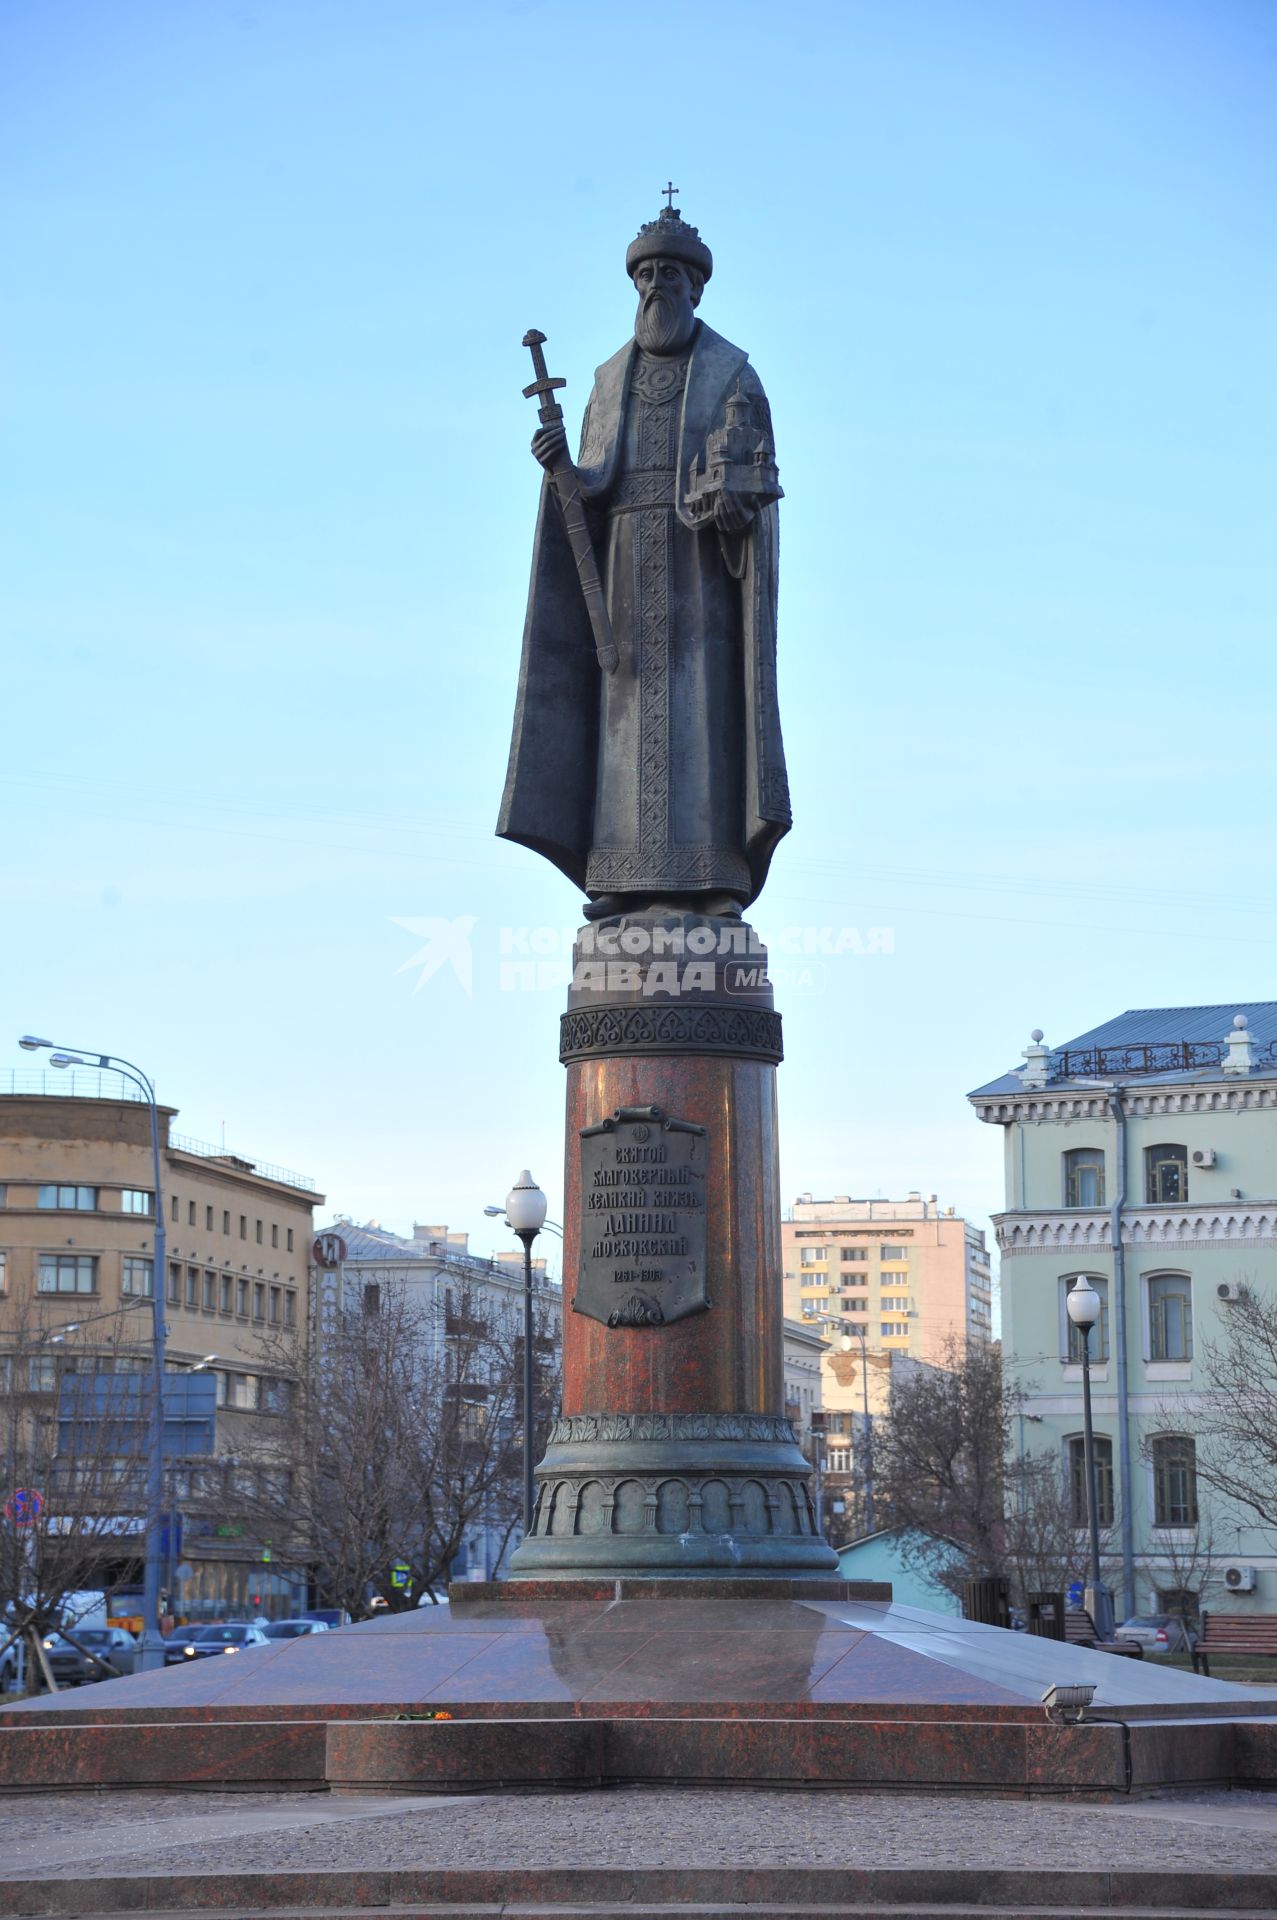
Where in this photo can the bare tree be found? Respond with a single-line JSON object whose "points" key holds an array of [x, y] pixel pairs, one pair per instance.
{"points": [[404, 1434], [1235, 1421], [939, 1463]]}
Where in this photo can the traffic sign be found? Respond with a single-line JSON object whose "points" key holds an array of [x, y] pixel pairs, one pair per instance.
{"points": [[22, 1508], [1075, 1593], [401, 1574]]}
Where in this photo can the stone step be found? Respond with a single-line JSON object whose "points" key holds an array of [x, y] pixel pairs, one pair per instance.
{"points": [[875, 1910], [584, 1893]]}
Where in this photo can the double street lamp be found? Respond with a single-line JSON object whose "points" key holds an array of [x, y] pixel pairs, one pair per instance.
{"points": [[1084, 1308], [152, 1648]]}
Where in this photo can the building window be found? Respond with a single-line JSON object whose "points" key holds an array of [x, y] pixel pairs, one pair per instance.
{"points": [[241, 1299], [137, 1200], [208, 1219], [190, 1213], [1165, 1176], [1174, 1457], [174, 1284], [228, 1294], [812, 1256], [1084, 1177], [259, 1233], [4, 1268], [274, 1236], [1170, 1316], [193, 1288], [243, 1226], [173, 1208], [276, 1396], [290, 1308], [1099, 1332], [259, 1300], [1103, 1479], [241, 1391], [895, 1329], [68, 1199], [290, 1239], [848, 1254], [67, 1273], [893, 1253], [276, 1305], [139, 1276], [226, 1223], [210, 1293], [42, 1373]]}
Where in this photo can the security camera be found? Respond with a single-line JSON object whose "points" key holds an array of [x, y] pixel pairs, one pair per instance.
{"points": [[1065, 1706]]}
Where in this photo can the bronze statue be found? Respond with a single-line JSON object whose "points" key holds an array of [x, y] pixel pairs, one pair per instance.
{"points": [[646, 761]]}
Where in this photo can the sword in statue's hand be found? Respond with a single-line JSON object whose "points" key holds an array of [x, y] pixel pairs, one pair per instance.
{"points": [[567, 486]]}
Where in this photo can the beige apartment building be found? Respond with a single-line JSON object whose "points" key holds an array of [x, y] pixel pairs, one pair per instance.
{"points": [[77, 1225], [885, 1281]]}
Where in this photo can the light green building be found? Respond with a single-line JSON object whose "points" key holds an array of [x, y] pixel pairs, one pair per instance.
{"points": [[1144, 1155]]}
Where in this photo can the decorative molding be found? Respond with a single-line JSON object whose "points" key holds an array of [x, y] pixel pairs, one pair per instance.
{"points": [[1092, 1103], [590, 1032], [1235, 1225], [573, 1428]]}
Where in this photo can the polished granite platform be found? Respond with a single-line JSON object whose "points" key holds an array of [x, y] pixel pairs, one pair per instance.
{"points": [[580, 1684]]}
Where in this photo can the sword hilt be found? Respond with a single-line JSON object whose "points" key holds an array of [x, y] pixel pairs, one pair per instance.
{"points": [[543, 385]]}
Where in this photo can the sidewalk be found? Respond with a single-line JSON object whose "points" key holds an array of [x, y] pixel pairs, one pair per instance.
{"points": [[141, 1832]]}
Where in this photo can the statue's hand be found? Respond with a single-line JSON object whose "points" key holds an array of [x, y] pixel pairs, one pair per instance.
{"points": [[549, 444], [732, 513]]}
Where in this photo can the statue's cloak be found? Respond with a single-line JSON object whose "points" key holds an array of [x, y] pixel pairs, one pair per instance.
{"points": [[549, 798]]}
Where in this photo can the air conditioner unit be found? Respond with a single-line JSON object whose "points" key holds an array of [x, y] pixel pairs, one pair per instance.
{"points": [[1239, 1579], [1232, 1290], [1204, 1157]]}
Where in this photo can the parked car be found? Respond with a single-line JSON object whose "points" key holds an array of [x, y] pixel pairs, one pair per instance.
{"points": [[331, 1616], [91, 1653], [1157, 1634], [198, 1643], [290, 1629]]}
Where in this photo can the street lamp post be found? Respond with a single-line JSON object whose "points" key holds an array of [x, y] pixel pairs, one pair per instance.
{"points": [[868, 1475], [152, 1648], [525, 1209], [1084, 1311]]}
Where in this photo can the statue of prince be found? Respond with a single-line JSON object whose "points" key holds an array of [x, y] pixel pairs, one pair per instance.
{"points": [[646, 760]]}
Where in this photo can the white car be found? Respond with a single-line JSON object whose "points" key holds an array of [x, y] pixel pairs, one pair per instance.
{"points": [[1158, 1634]]}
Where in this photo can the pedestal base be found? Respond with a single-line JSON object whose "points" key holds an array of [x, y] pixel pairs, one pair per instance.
{"points": [[672, 1494]]}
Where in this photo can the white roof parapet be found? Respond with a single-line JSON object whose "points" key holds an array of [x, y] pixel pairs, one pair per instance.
{"points": [[1036, 1071]]}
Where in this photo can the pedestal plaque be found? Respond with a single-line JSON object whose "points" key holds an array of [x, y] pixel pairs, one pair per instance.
{"points": [[643, 1228]]}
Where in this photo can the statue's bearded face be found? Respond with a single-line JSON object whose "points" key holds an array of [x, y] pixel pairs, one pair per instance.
{"points": [[668, 292]]}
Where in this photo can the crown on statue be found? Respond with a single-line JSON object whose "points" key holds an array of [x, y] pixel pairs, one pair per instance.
{"points": [[669, 238]]}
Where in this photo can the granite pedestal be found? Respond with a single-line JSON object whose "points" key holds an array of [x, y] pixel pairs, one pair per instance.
{"points": [[672, 1454]]}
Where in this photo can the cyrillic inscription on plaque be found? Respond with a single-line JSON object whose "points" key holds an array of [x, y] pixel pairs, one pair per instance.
{"points": [[643, 1232]]}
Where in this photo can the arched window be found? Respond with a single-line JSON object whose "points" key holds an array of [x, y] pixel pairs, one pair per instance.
{"points": [[1170, 1316], [1076, 1450], [1072, 1342], [1174, 1457], [1084, 1177], [1165, 1175]]}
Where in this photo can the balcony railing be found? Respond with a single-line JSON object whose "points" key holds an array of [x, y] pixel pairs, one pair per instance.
{"points": [[1153, 1056]]}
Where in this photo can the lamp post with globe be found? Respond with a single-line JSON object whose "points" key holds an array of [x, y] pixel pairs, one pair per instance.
{"points": [[1084, 1308], [525, 1210]]}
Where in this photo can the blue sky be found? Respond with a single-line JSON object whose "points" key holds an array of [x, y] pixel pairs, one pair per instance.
{"points": [[1007, 272]]}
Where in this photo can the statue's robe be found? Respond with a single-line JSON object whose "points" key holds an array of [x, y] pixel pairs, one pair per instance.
{"points": [[668, 775]]}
